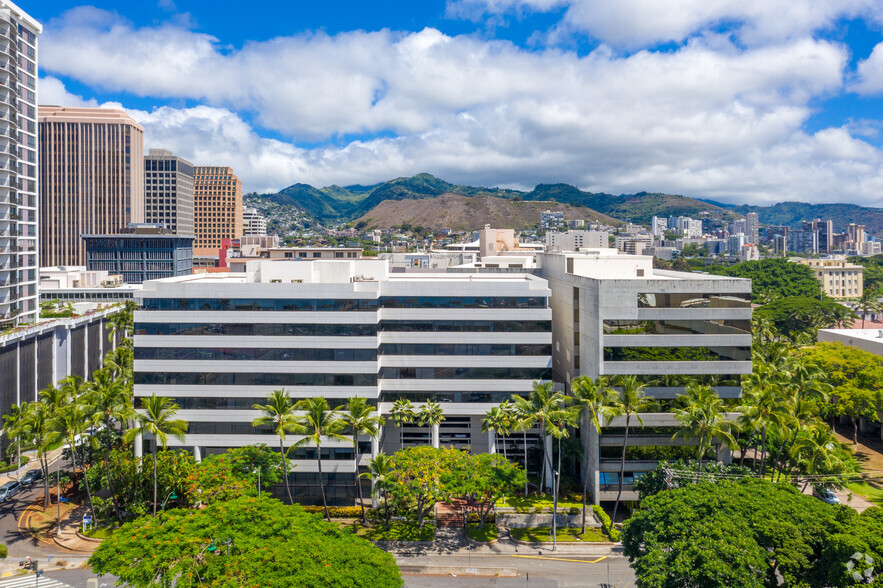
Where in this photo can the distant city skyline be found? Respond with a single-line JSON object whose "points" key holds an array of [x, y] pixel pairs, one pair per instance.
{"points": [[735, 102]]}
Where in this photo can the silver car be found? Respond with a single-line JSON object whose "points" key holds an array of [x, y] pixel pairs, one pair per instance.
{"points": [[8, 490]]}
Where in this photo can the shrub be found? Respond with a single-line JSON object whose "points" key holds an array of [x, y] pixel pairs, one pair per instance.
{"points": [[573, 510], [4, 551], [606, 523], [340, 512], [538, 509], [14, 465], [474, 517]]}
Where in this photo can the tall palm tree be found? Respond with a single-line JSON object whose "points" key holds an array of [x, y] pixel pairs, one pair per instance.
{"points": [[72, 388], [316, 422], [278, 413], [109, 402], [521, 421], [765, 404], [543, 408], [402, 413], [381, 473], [70, 422], [499, 420], [630, 401], [123, 322], [592, 400], [817, 451], [12, 426], [703, 417], [802, 415], [431, 414], [360, 417], [157, 419], [869, 301], [36, 428]]}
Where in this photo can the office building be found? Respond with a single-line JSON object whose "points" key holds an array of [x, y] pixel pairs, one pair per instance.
{"points": [[752, 228], [31, 359], [802, 241], [84, 289], [18, 167], [838, 277], [168, 191], [91, 178], [218, 344], [217, 202], [824, 231], [617, 315], [253, 223], [140, 253], [574, 240]]}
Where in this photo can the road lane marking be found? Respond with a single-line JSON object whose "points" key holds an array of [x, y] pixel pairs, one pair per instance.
{"points": [[603, 557]]}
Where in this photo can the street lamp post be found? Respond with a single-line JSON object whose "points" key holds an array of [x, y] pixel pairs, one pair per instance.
{"points": [[259, 482], [557, 475]]}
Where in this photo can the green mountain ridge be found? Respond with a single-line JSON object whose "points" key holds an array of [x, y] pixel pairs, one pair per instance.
{"points": [[342, 204]]}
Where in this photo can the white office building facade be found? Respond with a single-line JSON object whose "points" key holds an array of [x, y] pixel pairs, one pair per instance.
{"points": [[219, 344]]}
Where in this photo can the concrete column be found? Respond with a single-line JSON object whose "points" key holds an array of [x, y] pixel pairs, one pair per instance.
{"points": [[547, 462], [491, 441], [724, 454], [197, 454], [139, 445], [592, 446], [375, 446], [435, 436]]}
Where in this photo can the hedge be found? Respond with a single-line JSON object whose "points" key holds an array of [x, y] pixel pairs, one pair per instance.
{"points": [[474, 517], [338, 512], [4, 551], [606, 523], [8, 468]]}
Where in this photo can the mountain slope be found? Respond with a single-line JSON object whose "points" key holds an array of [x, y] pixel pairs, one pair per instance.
{"points": [[469, 213]]}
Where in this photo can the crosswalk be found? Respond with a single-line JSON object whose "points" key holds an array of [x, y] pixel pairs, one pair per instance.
{"points": [[30, 582]]}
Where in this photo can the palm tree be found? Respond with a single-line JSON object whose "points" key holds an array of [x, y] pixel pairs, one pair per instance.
{"points": [[542, 408], [158, 420], [123, 321], [361, 419], [818, 451], [108, 402], [12, 426], [499, 420], [592, 399], [279, 414], [764, 404], [402, 413], [431, 414], [72, 388], [869, 301], [319, 421], [380, 471], [521, 421], [629, 401], [703, 417], [36, 428], [70, 422]]}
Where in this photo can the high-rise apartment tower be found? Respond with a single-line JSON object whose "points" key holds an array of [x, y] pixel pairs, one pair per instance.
{"points": [[91, 178], [168, 191], [18, 166], [217, 202]]}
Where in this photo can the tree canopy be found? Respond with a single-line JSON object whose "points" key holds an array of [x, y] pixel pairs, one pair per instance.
{"points": [[743, 533], [797, 314], [244, 542], [776, 276]]}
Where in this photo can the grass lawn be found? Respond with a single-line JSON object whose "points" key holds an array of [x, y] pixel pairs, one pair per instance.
{"points": [[488, 533], [398, 531], [872, 492], [100, 532], [533, 502], [544, 534]]}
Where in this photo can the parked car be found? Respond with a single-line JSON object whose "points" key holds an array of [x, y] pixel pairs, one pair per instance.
{"points": [[31, 477], [825, 495], [8, 490]]}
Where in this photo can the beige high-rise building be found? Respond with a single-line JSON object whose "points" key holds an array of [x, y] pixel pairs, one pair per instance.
{"points": [[91, 178], [217, 208], [18, 167]]}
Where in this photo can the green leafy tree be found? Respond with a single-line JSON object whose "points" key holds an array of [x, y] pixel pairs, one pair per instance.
{"points": [[630, 401], [704, 418], [778, 276], [488, 477], [158, 420], [418, 477], [278, 413], [319, 421], [234, 474], [360, 417], [655, 481], [243, 542], [795, 314]]}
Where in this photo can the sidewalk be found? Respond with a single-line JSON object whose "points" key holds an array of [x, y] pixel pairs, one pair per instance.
{"points": [[67, 536], [454, 542], [33, 464]]}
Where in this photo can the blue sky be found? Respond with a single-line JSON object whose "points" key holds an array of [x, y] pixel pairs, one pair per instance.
{"points": [[755, 101]]}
